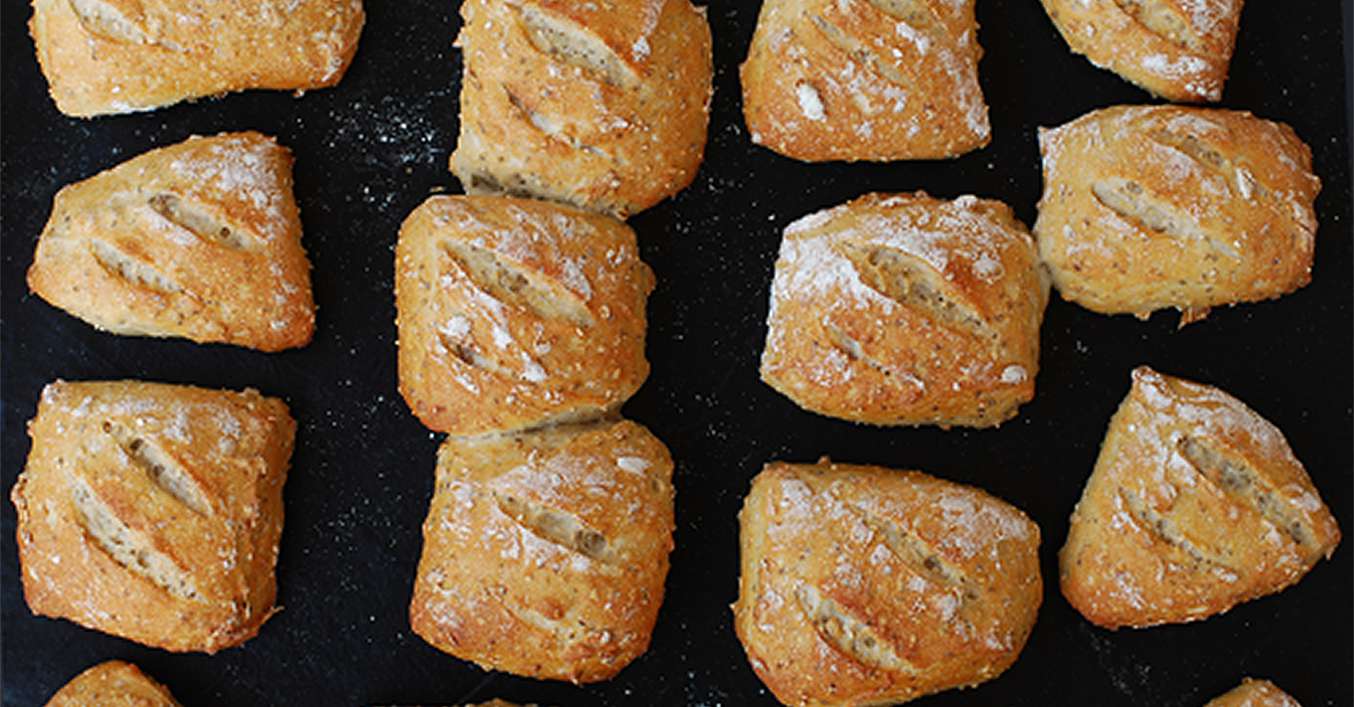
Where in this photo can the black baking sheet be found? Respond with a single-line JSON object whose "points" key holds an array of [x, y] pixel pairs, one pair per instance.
{"points": [[371, 149]]}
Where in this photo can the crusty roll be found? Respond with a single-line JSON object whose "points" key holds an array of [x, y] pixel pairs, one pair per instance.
{"points": [[1176, 49], [862, 585], [865, 80], [600, 105], [1254, 693], [120, 56], [153, 511], [200, 240], [113, 684], [515, 313], [1196, 504], [907, 310], [545, 553], [1149, 207]]}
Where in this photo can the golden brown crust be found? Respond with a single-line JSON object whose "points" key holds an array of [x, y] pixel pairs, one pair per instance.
{"points": [[1176, 49], [514, 313], [907, 310], [113, 684], [545, 553], [1254, 693], [1196, 504], [120, 56], [865, 80], [153, 511], [863, 585], [601, 105], [200, 240], [1148, 207]]}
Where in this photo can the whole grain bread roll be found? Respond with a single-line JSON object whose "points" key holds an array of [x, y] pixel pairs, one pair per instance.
{"points": [[1254, 693], [112, 684], [865, 80], [153, 512], [515, 313], [1176, 49], [600, 105], [907, 310], [199, 240], [545, 553], [862, 585], [1149, 207], [121, 56], [1196, 504]]}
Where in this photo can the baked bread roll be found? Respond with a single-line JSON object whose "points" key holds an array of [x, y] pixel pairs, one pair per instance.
{"points": [[113, 684], [1176, 49], [153, 512], [545, 553], [600, 105], [515, 313], [1254, 693], [862, 585], [200, 240], [865, 80], [907, 310], [1148, 207], [1196, 504], [121, 56]]}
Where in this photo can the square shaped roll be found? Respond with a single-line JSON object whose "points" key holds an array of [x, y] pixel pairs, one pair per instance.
{"points": [[515, 313], [1150, 207], [120, 56], [603, 105], [199, 240], [862, 585], [113, 684], [1196, 504], [907, 310], [865, 80], [153, 512], [545, 553]]}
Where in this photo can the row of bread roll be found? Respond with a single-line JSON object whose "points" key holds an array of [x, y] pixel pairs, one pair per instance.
{"points": [[862, 585], [909, 310], [898, 79]]}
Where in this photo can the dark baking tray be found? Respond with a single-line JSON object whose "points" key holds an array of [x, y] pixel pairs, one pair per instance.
{"points": [[371, 149]]}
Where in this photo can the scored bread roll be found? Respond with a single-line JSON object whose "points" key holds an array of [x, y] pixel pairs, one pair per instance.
{"points": [[200, 240], [515, 313], [1196, 504], [862, 585], [865, 80], [1176, 49], [907, 310], [600, 105], [1149, 207], [545, 553], [112, 684], [120, 56], [1254, 693], [153, 512]]}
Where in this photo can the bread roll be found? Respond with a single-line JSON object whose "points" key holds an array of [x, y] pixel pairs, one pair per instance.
{"points": [[545, 553], [120, 56], [200, 240], [112, 684], [862, 585], [1254, 693], [907, 310], [515, 313], [1196, 504], [1148, 207], [600, 105], [153, 512], [1176, 49], [865, 80]]}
